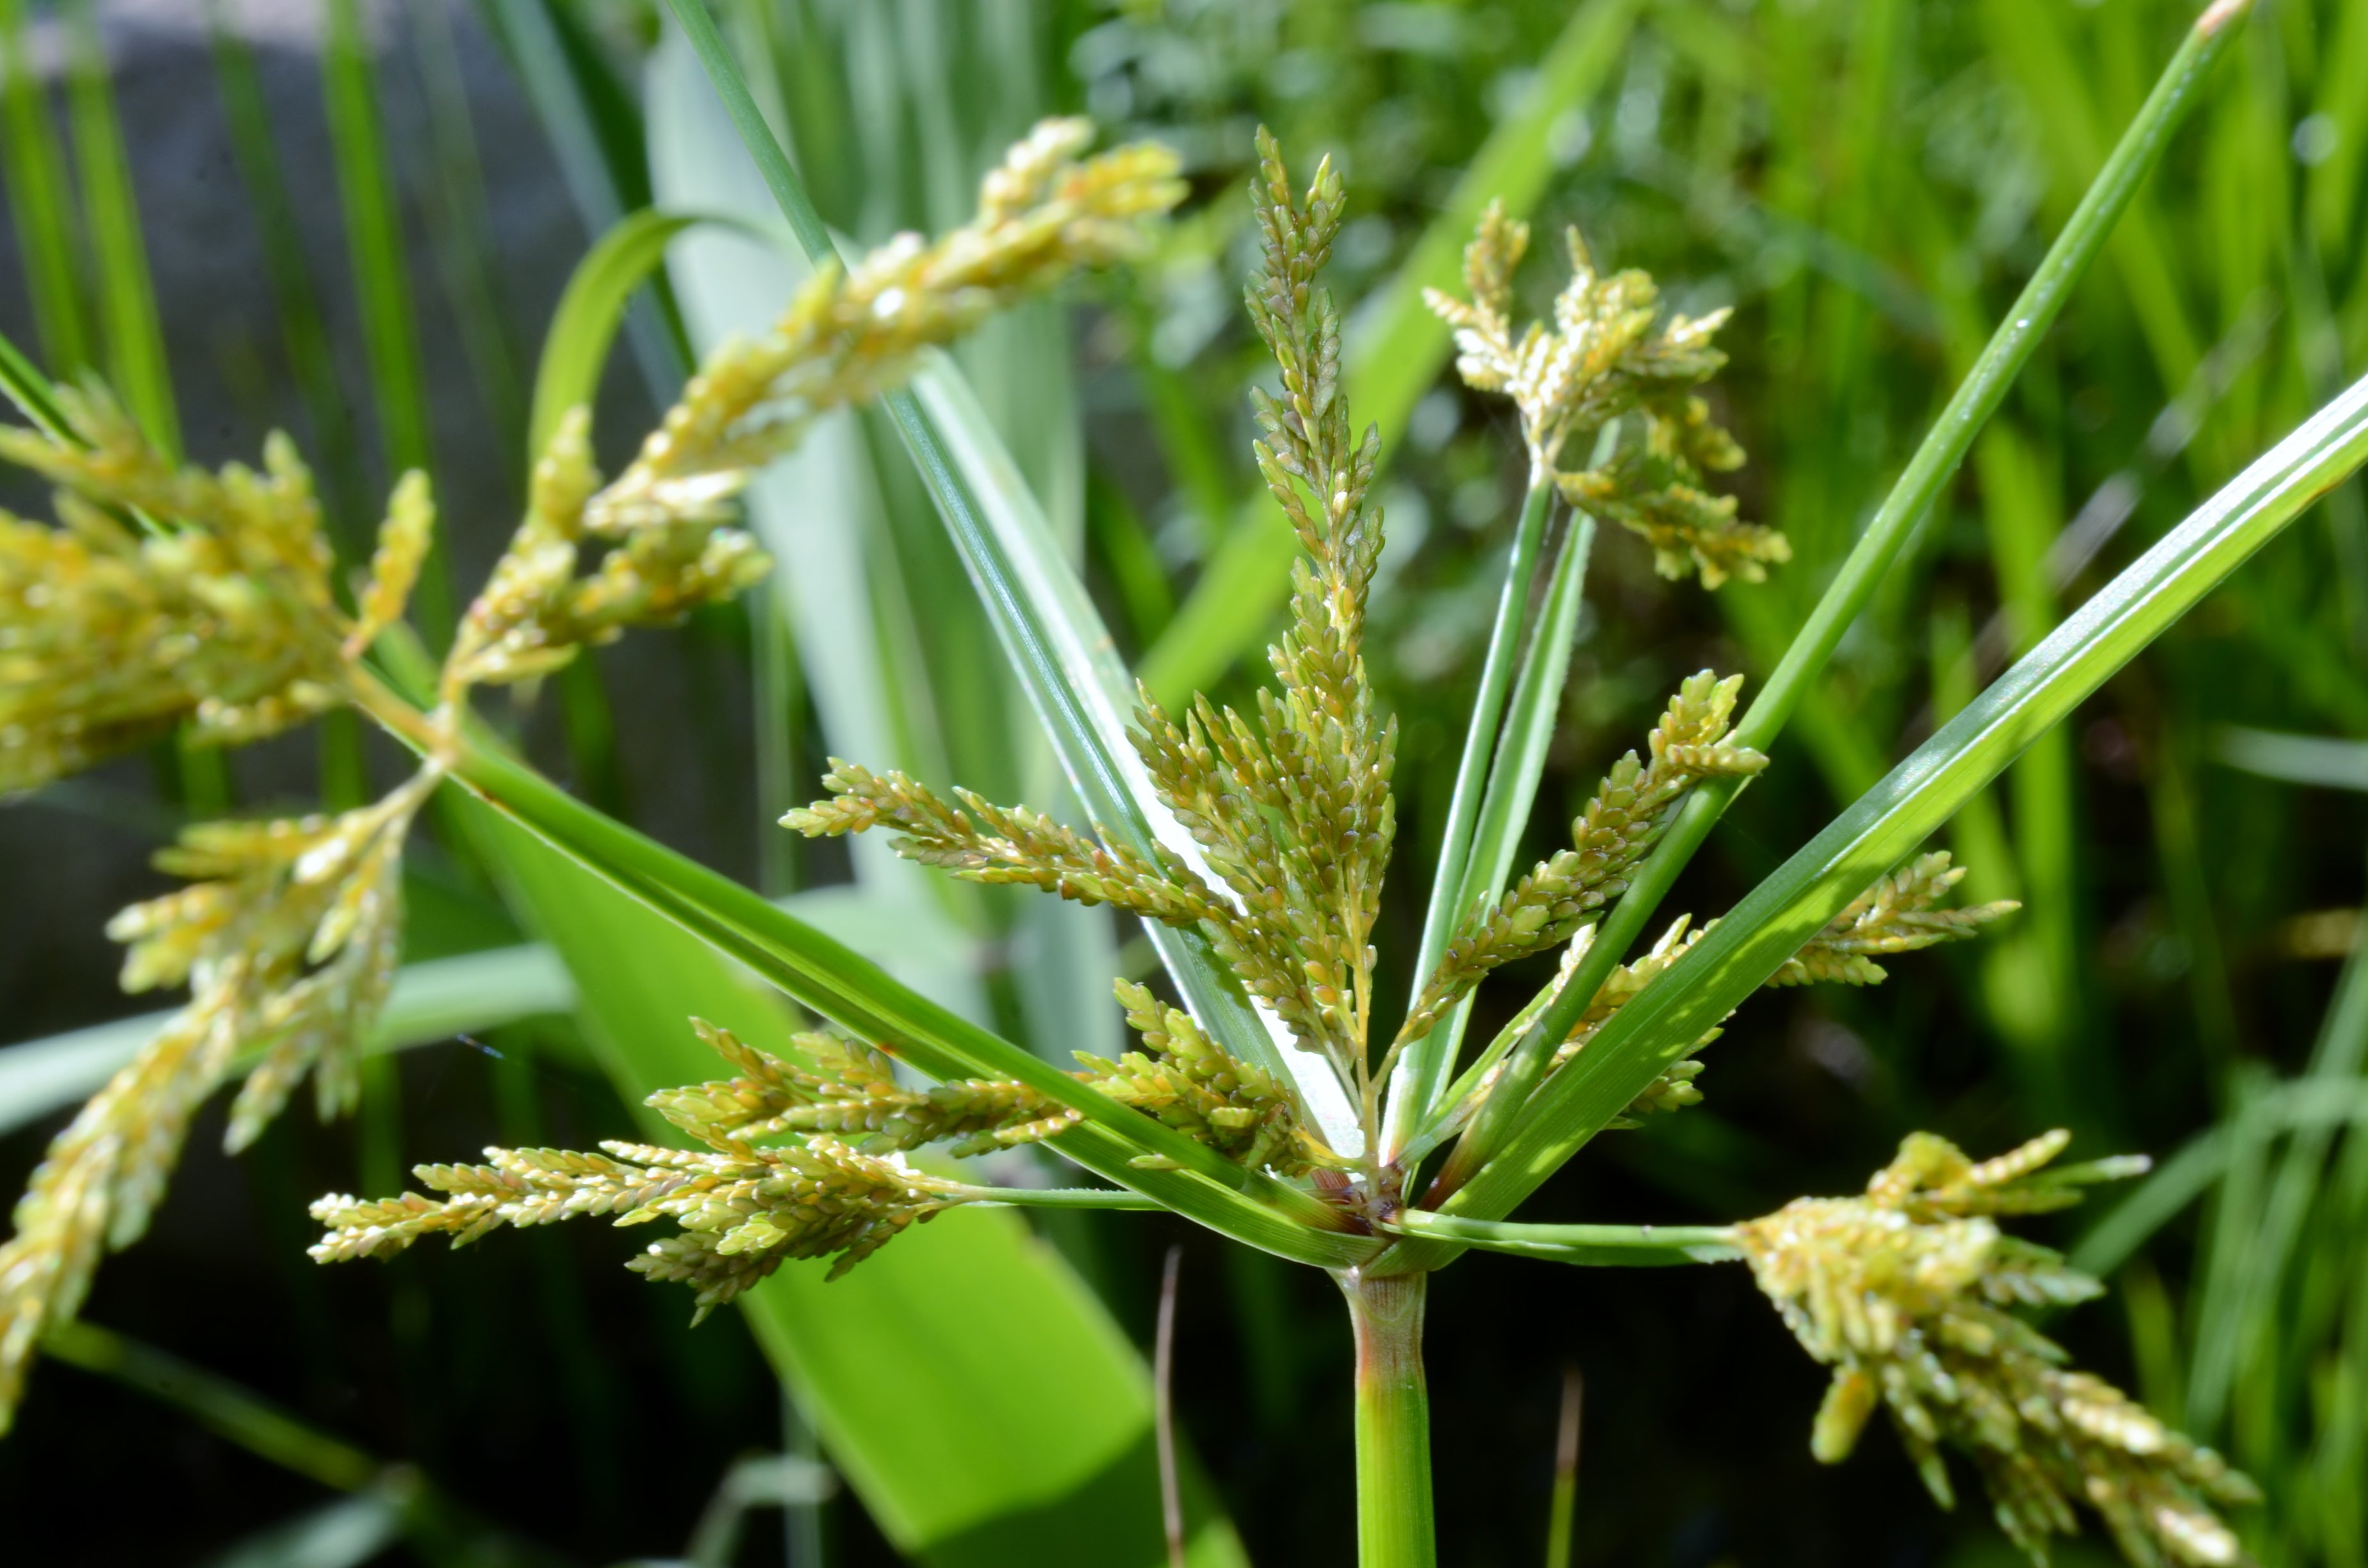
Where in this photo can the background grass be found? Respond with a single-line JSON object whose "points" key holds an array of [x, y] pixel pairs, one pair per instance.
{"points": [[395, 198]]}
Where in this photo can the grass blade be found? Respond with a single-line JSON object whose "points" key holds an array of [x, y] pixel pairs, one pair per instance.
{"points": [[136, 365], [576, 349], [2237, 1322], [25, 386], [384, 1502], [2187, 1176], [2056, 81], [2319, 760], [1590, 1246], [304, 326], [40, 198], [374, 245], [1395, 351], [216, 1403], [1884, 827]]}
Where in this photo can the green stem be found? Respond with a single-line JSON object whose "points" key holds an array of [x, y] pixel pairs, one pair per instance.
{"points": [[1562, 1514], [1394, 1509], [716, 55], [1935, 462], [24, 385], [1423, 1063], [1594, 1246], [1064, 1198]]}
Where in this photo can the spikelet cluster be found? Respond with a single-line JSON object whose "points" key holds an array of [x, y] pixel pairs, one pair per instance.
{"points": [[838, 1187], [1189, 1081], [848, 335], [848, 1092], [741, 1209], [1603, 360], [743, 1212], [1901, 914], [1622, 820], [168, 595], [1904, 1293], [540, 606], [1291, 809], [981, 841], [287, 944]]}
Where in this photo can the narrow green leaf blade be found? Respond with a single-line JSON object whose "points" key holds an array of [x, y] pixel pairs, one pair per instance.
{"points": [[2322, 761], [1500, 810], [575, 348], [40, 197], [374, 245], [127, 296]]}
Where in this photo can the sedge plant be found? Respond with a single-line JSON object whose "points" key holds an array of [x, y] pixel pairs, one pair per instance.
{"points": [[1261, 1100]]}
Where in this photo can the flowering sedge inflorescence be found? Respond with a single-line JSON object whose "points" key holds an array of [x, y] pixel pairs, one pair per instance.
{"points": [[288, 937], [848, 335], [1904, 1293], [1293, 820], [833, 1183], [1602, 361], [172, 597], [1289, 808]]}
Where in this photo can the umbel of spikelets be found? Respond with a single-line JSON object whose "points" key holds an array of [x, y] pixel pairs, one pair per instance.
{"points": [[167, 595], [1905, 1292], [1901, 913], [1604, 361], [288, 942], [804, 1156], [663, 528]]}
